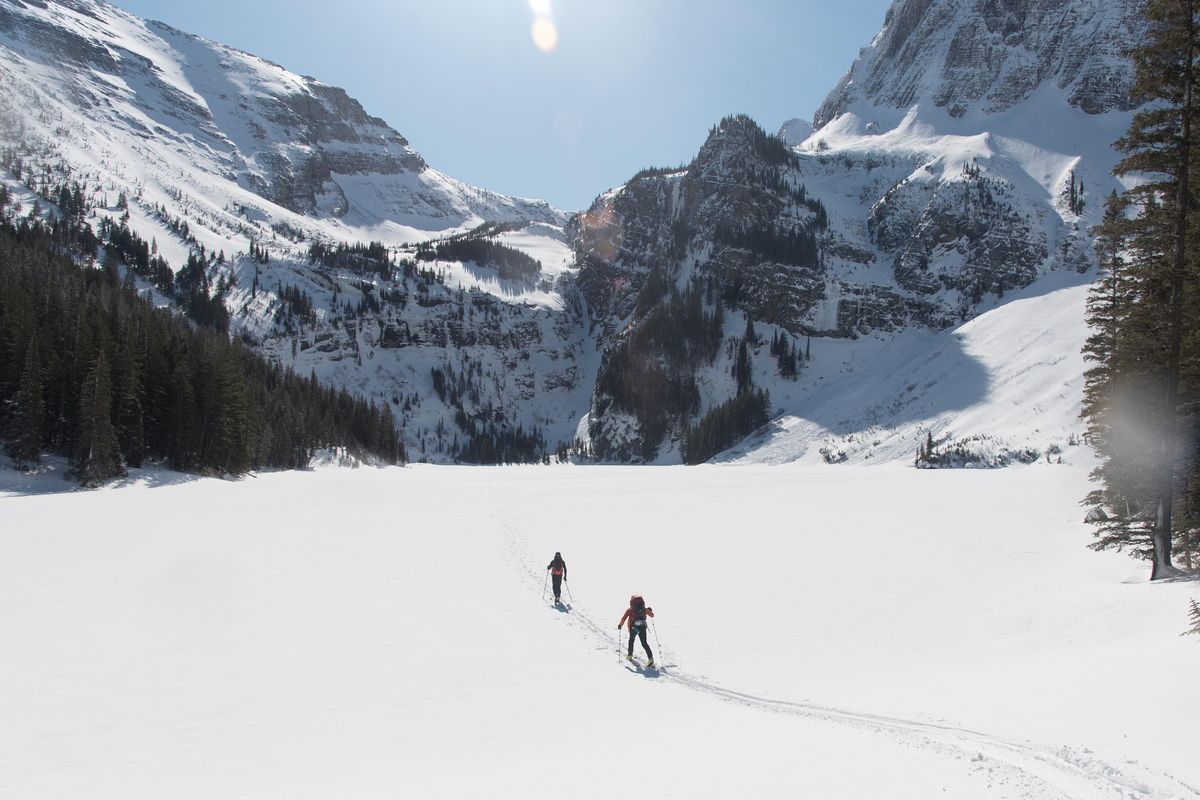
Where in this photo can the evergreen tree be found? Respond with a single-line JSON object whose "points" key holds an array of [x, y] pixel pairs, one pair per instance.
{"points": [[96, 458], [1120, 392], [751, 335], [742, 370], [1139, 396], [130, 417], [25, 430], [182, 449], [724, 425]]}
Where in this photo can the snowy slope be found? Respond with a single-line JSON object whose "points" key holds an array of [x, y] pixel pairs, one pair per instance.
{"points": [[1006, 386], [251, 639], [167, 117]]}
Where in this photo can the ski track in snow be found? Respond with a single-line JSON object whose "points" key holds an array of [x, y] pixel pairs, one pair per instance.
{"points": [[1032, 771]]}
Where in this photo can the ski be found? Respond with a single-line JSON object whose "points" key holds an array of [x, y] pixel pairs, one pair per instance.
{"points": [[641, 665]]}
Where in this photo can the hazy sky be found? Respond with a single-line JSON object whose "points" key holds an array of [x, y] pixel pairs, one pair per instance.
{"points": [[622, 84]]}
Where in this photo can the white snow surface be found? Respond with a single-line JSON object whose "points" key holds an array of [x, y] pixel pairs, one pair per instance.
{"points": [[1010, 379], [794, 131], [382, 633]]}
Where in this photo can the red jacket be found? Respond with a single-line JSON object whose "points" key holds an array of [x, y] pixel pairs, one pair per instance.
{"points": [[629, 616]]}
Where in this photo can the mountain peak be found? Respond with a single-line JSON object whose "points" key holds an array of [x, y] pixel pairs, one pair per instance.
{"points": [[795, 131], [989, 55]]}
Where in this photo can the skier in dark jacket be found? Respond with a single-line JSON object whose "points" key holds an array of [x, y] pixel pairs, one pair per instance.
{"points": [[637, 613], [558, 574]]}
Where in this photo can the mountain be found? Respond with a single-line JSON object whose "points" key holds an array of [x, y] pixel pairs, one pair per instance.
{"points": [[185, 119], [989, 56], [964, 158], [303, 212], [790, 285]]}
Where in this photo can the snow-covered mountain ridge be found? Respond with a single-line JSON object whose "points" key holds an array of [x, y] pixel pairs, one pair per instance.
{"points": [[203, 149], [957, 167], [965, 156], [160, 95], [988, 56]]}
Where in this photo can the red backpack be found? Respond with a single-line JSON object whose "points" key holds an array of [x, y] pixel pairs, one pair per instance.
{"points": [[638, 606]]}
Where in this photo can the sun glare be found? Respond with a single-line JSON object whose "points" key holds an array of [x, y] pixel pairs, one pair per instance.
{"points": [[544, 31], [545, 35]]}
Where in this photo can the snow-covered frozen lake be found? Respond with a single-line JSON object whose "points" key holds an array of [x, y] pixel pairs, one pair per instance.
{"points": [[832, 632]]}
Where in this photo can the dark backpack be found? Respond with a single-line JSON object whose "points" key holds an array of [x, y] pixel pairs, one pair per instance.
{"points": [[638, 606]]}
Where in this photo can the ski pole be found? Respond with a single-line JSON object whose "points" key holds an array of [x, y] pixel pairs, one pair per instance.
{"points": [[654, 628], [544, 584], [567, 586]]}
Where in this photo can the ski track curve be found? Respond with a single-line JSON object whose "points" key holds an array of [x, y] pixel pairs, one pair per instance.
{"points": [[1032, 771]]}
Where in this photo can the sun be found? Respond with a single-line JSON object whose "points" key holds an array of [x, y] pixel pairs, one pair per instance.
{"points": [[544, 31]]}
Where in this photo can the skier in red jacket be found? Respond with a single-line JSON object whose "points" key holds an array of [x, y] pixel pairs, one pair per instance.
{"points": [[558, 573], [637, 613]]}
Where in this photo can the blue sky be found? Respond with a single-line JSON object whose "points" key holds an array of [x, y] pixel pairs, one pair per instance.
{"points": [[628, 83]]}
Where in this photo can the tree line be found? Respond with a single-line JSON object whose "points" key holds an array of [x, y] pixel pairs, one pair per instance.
{"points": [[90, 370], [512, 264], [358, 257]]}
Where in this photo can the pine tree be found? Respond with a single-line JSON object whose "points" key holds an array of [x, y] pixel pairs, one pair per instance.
{"points": [[1119, 392], [130, 419], [96, 458], [1194, 618], [25, 433], [181, 422], [1134, 407], [742, 372], [751, 335]]}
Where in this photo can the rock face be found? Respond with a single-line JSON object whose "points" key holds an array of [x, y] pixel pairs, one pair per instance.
{"points": [[990, 55], [706, 222], [966, 235], [337, 138]]}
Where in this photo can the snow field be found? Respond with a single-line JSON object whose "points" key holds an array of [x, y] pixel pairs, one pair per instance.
{"points": [[364, 633], [1011, 377]]}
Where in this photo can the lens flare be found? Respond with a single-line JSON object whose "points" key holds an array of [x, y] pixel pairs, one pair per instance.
{"points": [[545, 35], [544, 31]]}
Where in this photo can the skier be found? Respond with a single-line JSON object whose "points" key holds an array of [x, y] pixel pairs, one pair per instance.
{"points": [[636, 614], [558, 572]]}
